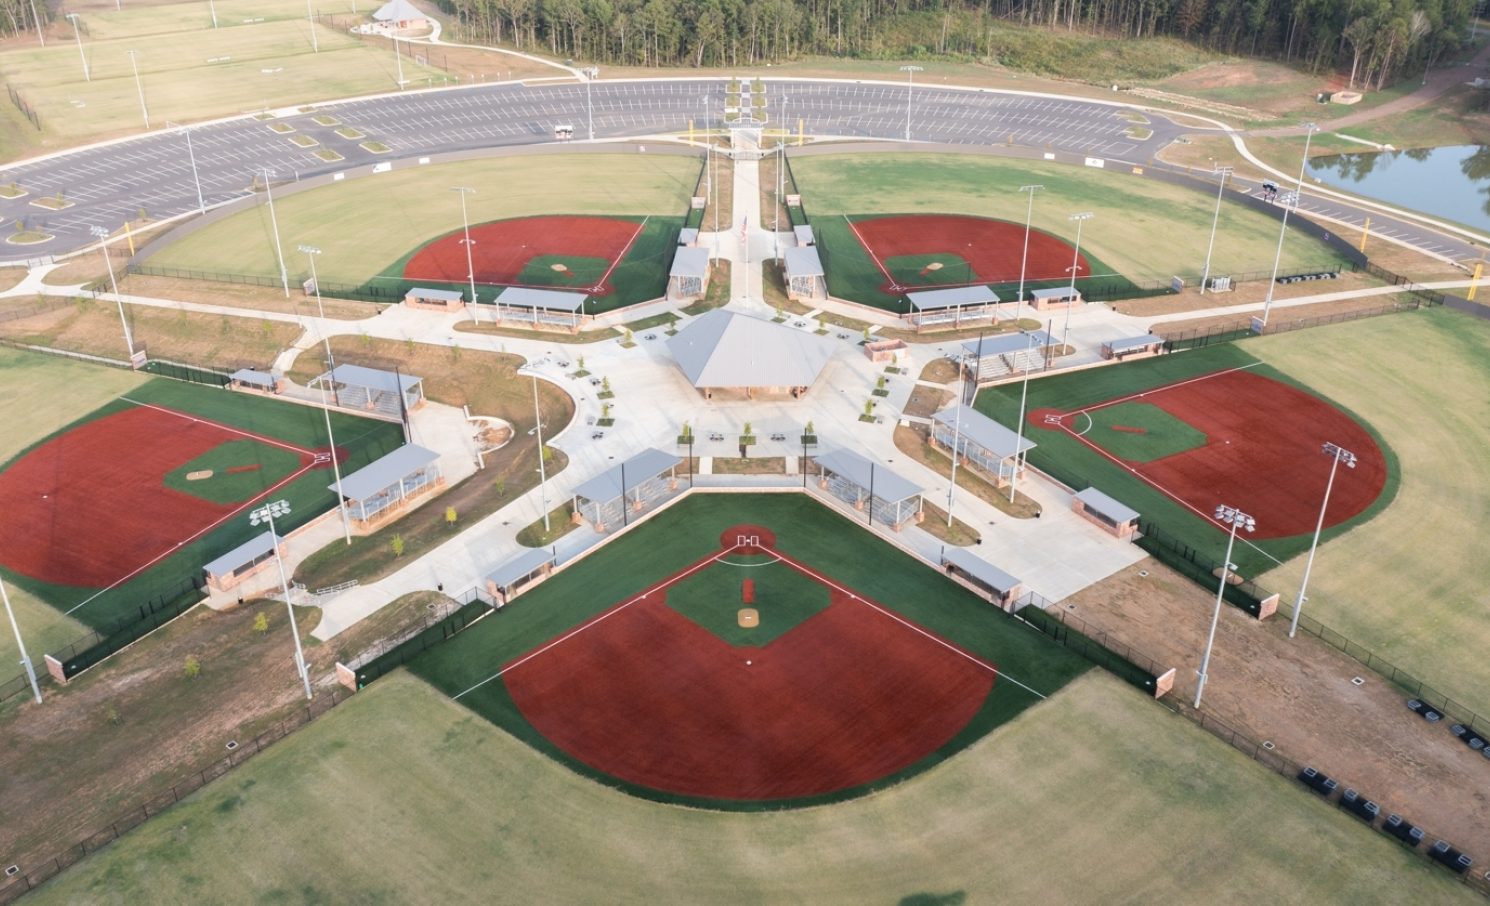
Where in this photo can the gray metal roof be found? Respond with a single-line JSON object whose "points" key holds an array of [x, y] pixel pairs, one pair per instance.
{"points": [[244, 553], [803, 233], [549, 299], [1054, 292], [983, 431], [424, 292], [385, 472], [980, 569], [398, 11], [725, 349], [371, 378], [1112, 509], [887, 485], [1134, 342], [1009, 342], [952, 297], [646, 465], [251, 376], [687, 236], [803, 261], [690, 262], [521, 565]]}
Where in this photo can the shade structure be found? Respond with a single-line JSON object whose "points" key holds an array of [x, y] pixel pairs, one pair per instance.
{"points": [[723, 349]]}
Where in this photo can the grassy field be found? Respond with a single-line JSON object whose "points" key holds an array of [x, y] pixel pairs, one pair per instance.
{"points": [[1129, 210], [1409, 584], [358, 808], [72, 390], [350, 224], [805, 530], [191, 71]]}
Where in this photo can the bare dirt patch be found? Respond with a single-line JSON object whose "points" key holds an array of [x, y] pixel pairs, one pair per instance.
{"points": [[734, 465], [1251, 293], [10, 277], [1297, 694], [939, 371], [258, 298], [960, 534], [926, 401]]}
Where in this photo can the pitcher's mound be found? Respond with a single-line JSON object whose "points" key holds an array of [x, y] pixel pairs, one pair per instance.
{"points": [[199, 475], [749, 618], [561, 268]]}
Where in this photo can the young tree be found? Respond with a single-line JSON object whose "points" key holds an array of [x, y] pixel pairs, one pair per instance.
{"points": [[192, 666], [450, 516], [398, 545], [261, 622]]}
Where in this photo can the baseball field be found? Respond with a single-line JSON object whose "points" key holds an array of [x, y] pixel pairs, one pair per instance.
{"points": [[966, 196], [579, 221], [1095, 796]]}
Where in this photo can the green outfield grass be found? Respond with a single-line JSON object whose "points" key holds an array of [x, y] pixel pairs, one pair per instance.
{"points": [[1130, 211], [304, 426], [351, 224], [239, 470], [1094, 797], [1070, 460], [1154, 433], [1410, 584], [806, 531], [191, 71], [713, 596]]}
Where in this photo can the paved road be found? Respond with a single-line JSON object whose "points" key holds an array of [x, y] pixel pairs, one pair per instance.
{"points": [[112, 183]]}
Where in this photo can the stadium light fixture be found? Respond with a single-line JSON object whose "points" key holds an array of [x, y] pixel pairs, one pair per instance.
{"points": [[1298, 196], [1025, 258], [1222, 172], [538, 427], [1024, 395], [192, 157], [134, 64], [25, 659], [78, 33], [279, 252], [102, 234], [266, 515], [1228, 515], [1080, 219], [468, 242], [1337, 455], [910, 87]]}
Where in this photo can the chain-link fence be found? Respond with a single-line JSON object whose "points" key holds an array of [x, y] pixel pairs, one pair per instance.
{"points": [[148, 616], [435, 631]]}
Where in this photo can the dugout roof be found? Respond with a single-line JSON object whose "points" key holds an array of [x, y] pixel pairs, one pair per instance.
{"points": [[638, 470], [547, 299], [725, 349], [802, 261], [886, 484], [690, 262], [980, 569], [253, 376], [803, 234], [1054, 292], [247, 552], [370, 378], [522, 565], [384, 472], [444, 295], [984, 431], [687, 236], [953, 297], [1009, 342], [1099, 502], [1134, 342]]}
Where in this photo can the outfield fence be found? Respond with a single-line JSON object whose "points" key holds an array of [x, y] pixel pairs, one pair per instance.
{"points": [[192, 374], [45, 305], [26, 109], [18, 685], [31, 876], [1097, 646], [362, 292], [150, 615], [1241, 328], [436, 630], [1178, 555]]}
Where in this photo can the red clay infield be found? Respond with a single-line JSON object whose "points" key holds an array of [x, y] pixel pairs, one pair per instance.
{"points": [[994, 248], [89, 508], [1262, 452], [504, 247], [846, 698]]}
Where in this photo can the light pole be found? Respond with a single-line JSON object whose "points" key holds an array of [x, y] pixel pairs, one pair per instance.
{"points": [[1267, 304], [212, 8], [78, 33], [957, 432], [191, 156], [266, 513], [538, 429], [310, 253], [589, 108], [40, 35], [1024, 395], [1205, 278], [1236, 519], [1337, 455], [310, 16], [1080, 219], [398, 58], [910, 86], [468, 242], [103, 235], [139, 86], [279, 253], [25, 659], [1025, 258]]}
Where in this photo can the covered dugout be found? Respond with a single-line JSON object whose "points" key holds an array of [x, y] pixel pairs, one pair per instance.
{"points": [[982, 577], [542, 307], [725, 351], [952, 307], [987, 358], [242, 562], [647, 478], [688, 279], [982, 443], [518, 573], [1055, 297], [254, 379], [374, 389], [1111, 515], [804, 273], [871, 487], [427, 299], [386, 484]]}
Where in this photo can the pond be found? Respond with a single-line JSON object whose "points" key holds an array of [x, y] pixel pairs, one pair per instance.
{"points": [[1451, 183]]}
